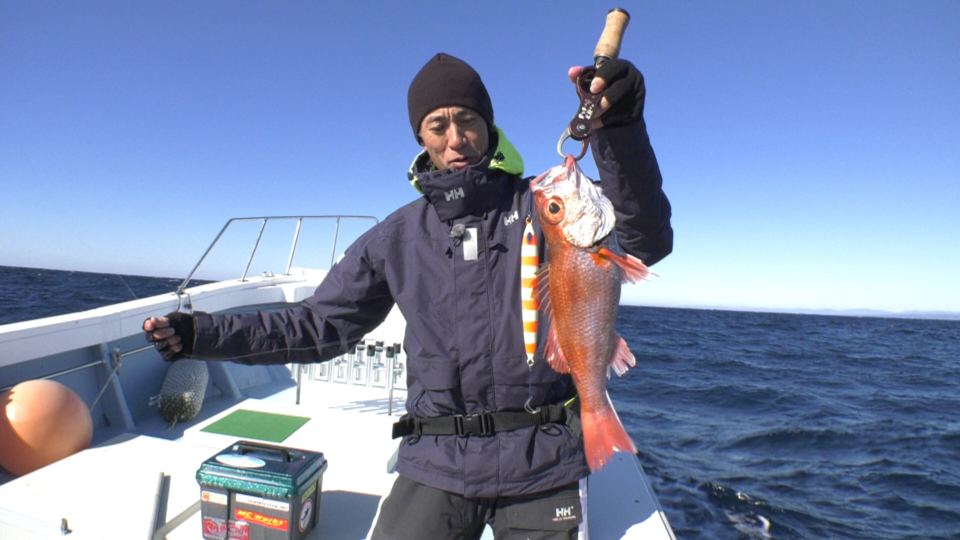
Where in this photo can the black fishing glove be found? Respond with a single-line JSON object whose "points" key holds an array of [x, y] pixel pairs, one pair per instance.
{"points": [[185, 326], [625, 92]]}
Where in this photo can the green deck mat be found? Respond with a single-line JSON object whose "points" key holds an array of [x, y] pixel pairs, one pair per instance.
{"points": [[257, 425]]}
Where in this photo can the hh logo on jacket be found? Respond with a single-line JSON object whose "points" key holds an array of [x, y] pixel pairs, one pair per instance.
{"points": [[454, 194]]}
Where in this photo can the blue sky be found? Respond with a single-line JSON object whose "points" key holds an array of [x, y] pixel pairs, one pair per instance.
{"points": [[811, 150]]}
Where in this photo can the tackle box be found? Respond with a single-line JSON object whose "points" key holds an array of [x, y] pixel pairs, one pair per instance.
{"points": [[256, 491]]}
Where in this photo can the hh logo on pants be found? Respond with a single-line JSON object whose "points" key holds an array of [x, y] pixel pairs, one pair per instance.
{"points": [[565, 513]]}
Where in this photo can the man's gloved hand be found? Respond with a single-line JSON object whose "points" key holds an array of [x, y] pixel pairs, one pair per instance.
{"points": [[625, 92], [622, 103], [173, 335]]}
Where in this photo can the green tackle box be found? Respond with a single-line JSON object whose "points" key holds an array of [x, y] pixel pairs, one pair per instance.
{"points": [[256, 491]]}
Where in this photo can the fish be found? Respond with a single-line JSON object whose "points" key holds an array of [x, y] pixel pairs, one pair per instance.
{"points": [[579, 291]]}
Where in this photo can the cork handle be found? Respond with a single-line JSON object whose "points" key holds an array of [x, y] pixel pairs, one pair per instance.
{"points": [[609, 45]]}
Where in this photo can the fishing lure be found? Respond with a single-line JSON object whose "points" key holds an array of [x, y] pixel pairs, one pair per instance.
{"points": [[529, 261]]}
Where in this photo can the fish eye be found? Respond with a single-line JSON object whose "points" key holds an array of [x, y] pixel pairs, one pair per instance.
{"points": [[553, 211]]}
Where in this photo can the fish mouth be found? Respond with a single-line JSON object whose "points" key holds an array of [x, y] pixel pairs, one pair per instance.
{"points": [[545, 181], [589, 216], [595, 218], [553, 178], [570, 164]]}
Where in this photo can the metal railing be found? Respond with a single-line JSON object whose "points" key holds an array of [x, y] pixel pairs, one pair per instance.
{"points": [[112, 360], [256, 245]]}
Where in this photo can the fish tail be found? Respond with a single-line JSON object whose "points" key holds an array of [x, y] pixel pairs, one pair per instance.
{"points": [[603, 434]]}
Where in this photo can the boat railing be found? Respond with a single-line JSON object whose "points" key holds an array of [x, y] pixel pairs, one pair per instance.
{"points": [[256, 245], [370, 364]]}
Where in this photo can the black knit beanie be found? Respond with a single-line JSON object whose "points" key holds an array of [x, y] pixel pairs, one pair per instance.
{"points": [[445, 81]]}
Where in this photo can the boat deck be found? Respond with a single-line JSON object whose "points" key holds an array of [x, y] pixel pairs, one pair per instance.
{"points": [[134, 483], [139, 485]]}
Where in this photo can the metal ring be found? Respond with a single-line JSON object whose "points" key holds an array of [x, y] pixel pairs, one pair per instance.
{"points": [[566, 135], [583, 151]]}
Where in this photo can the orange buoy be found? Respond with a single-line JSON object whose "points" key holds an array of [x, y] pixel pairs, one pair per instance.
{"points": [[44, 422]]}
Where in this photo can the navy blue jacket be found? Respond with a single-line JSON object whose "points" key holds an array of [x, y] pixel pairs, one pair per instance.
{"points": [[464, 336]]}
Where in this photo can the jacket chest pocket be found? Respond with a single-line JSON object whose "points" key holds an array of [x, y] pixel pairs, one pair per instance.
{"points": [[439, 392]]}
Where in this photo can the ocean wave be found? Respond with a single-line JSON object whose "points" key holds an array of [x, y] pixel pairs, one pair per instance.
{"points": [[747, 515], [794, 440]]}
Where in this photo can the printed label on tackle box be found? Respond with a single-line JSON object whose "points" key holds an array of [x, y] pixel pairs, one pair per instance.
{"points": [[213, 497], [305, 514], [217, 528], [265, 503], [267, 521]]}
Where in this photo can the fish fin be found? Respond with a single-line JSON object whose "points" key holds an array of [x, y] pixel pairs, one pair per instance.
{"points": [[622, 358], [541, 288], [553, 354], [632, 268], [551, 350], [603, 434]]}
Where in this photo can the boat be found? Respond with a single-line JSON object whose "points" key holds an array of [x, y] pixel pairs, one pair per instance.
{"points": [[139, 477]]}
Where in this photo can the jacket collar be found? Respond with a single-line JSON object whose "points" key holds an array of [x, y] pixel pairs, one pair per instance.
{"points": [[471, 190], [502, 157]]}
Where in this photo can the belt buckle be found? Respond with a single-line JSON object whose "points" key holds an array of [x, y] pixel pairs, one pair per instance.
{"points": [[473, 424]]}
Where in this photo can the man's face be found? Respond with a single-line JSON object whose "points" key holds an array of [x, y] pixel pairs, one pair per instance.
{"points": [[454, 137]]}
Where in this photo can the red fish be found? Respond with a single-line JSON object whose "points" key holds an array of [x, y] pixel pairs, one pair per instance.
{"points": [[581, 284]]}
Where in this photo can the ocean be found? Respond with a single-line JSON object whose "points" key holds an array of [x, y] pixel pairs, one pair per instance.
{"points": [[749, 425]]}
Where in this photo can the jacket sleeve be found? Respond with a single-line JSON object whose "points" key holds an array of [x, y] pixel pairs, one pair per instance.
{"points": [[631, 179], [351, 300]]}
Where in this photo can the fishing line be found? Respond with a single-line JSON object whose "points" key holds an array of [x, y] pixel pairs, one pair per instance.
{"points": [[529, 207], [127, 286], [526, 405], [105, 385]]}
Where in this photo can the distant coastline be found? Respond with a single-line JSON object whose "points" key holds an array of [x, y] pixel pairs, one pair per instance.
{"points": [[93, 272], [937, 315], [874, 313]]}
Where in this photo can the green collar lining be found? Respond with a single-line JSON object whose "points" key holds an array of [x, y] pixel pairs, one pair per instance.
{"points": [[505, 158]]}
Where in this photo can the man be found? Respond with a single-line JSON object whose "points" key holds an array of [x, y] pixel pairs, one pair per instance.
{"points": [[460, 296]]}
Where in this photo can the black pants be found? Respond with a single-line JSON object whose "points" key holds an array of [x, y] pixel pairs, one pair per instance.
{"points": [[415, 511]]}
